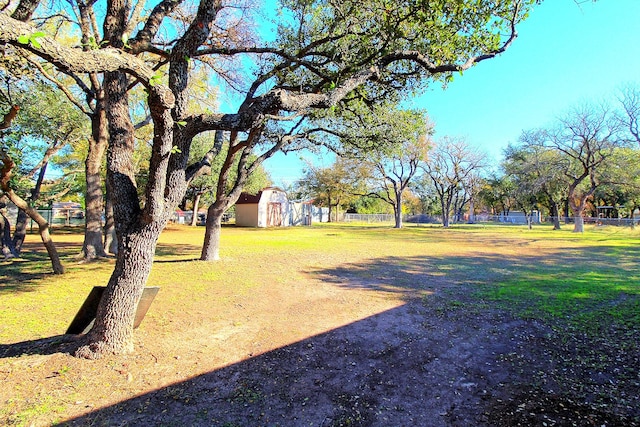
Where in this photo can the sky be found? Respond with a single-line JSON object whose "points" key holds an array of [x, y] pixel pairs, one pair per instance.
{"points": [[568, 52]]}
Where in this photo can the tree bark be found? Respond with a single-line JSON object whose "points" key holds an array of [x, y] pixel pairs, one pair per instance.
{"points": [[6, 244], [446, 206], [43, 230], [578, 226], [196, 203], [20, 231], [137, 238], [112, 332], [110, 238], [577, 209], [211, 245], [93, 246], [397, 210], [555, 215]]}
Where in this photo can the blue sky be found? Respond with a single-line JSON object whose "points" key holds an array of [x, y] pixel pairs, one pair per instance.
{"points": [[566, 54]]}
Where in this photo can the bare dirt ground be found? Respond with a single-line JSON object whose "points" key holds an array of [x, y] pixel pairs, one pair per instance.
{"points": [[297, 357]]}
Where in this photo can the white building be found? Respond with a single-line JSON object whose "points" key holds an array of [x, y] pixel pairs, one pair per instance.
{"points": [[271, 208], [268, 208]]}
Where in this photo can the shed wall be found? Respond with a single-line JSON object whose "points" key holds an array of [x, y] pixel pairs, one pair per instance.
{"points": [[247, 215]]}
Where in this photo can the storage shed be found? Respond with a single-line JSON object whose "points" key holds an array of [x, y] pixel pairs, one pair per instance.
{"points": [[268, 208]]}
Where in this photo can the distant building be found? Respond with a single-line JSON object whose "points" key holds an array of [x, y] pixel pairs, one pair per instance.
{"points": [[272, 208], [268, 208], [519, 217], [305, 213]]}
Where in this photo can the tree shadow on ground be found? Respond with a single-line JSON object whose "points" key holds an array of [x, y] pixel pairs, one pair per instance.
{"points": [[603, 271], [176, 250], [30, 270], [24, 273], [404, 366], [42, 346]]}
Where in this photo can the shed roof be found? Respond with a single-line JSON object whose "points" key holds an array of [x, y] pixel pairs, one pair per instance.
{"points": [[254, 199], [249, 199]]}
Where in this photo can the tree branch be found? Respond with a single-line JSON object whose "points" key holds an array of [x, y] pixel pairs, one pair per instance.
{"points": [[8, 118]]}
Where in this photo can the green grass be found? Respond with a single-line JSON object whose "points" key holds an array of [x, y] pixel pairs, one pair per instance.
{"points": [[586, 278]]}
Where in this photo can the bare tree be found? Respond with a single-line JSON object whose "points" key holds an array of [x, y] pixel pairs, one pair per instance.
{"points": [[630, 100], [452, 162], [586, 138]]}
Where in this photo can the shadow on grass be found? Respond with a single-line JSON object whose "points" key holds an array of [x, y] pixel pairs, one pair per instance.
{"points": [[592, 273], [25, 273], [176, 250], [29, 271]]}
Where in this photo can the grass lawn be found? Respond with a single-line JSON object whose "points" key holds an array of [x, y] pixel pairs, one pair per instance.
{"points": [[579, 284]]}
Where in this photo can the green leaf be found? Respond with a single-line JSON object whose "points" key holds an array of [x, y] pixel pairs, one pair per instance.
{"points": [[125, 41], [38, 34], [175, 150], [181, 123], [23, 39], [35, 44], [155, 79]]}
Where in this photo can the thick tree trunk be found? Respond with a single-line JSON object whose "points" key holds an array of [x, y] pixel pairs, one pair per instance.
{"points": [[43, 230], [471, 218], [555, 215], [137, 238], [632, 216], [397, 210], [578, 226], [20, 231], [112, 332], [566, 211], [110, 238], [93, 246], [445, 213], [211, 245], [577, 209], [6, 244]]}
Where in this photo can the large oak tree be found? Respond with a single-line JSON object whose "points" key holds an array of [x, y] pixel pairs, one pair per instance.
{"points": [[324, 53], [585, 138]]}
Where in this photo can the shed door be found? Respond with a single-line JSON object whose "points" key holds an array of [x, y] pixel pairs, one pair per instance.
{"points": [[274, 214]]}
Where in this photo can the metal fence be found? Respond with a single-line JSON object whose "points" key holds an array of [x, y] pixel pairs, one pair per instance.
{"points": [[369, 218], [480, 219], [55, 218]]}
